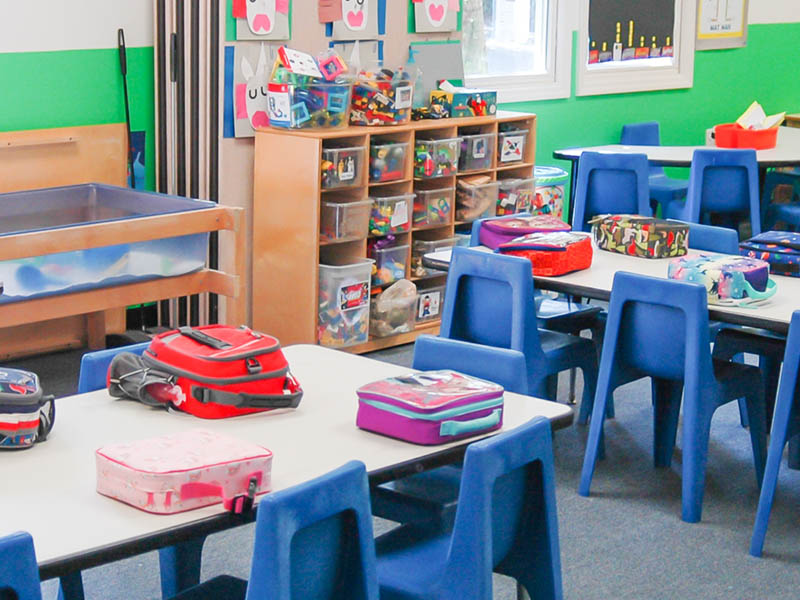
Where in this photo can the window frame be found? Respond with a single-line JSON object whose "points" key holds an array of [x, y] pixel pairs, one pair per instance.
{"points": [[555, 82], [629, 77]]}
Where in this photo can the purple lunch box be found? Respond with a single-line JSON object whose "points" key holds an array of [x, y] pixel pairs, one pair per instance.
{"points": [[494, 232], [430, 407]]}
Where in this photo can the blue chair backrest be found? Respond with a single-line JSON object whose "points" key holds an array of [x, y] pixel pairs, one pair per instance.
{"points": [[658, 327], [610, 184], [790, 382], [19, 573], [490, 301], [475, 239], [642, 134], [94, 366], [314, 540], [723, 180], [499, 515], [713, 239]]}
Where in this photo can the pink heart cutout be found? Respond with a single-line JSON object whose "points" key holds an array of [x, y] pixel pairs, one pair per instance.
{"points": [[261, 21], [259, 119], [436, 13], [354, 19]]}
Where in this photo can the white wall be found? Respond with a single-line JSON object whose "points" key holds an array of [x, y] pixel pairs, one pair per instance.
{"points": [[774, 11], [43, 25]]}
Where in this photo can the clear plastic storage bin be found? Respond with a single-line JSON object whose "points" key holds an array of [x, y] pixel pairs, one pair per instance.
{"points": [[436, 158], [380, 100], [476, 152], [344, 221], [319, 105], [511, 145], [434, 207], [387, 162], [515, 195], [390, 214], [390, 264], [73, 206], [422, 247], [476, 201], [550, 182], [344, 303], [342, 167], [429, 305], [393, 310]]}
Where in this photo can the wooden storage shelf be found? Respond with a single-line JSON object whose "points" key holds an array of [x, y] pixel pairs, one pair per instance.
{"points": [[287, 248]]}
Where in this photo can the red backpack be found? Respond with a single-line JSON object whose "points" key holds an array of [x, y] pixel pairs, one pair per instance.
{"points": [[212, 372]]}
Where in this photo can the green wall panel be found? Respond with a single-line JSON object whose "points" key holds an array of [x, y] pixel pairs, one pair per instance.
{"points": [[78, 87], [725, 82]]}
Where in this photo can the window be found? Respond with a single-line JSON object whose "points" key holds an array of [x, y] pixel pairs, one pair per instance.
{"points": [[632, 46], [518, 47]]}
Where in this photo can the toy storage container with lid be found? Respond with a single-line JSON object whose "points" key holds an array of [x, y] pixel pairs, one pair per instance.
{"points": [[77, 205], [511, 145], [392, 311], [312, 105], [342, 167], [422, 247], [476, 199], [549, 198], [390, 263], [387, 161], [434, 207], [382, 97], [476, 151], [436, 158], [515, 195], [344, 291], [390, 213], [342, 220]]}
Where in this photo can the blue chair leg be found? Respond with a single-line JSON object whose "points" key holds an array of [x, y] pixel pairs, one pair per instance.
{"points": [[70, 587], [666, 411], [594, 444], [696, 429], [739, 358], [780, 426], [552, 387], [180, 566]]}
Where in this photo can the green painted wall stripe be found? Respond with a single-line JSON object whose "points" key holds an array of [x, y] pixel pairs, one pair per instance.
{"points": [[725, 83], [77, 87]]}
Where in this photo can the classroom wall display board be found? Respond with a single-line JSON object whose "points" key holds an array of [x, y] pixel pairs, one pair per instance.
{"points": [[327, 202], [721, 24], [630, 29], [262, 19]]}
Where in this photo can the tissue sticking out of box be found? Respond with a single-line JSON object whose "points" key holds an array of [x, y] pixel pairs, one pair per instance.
{"points": [[755, 118]]}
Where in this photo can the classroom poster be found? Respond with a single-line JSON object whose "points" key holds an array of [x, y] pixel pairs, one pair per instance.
{"points": [[721, 24], [262, 19], [359, 21], [251, 69], [431, 16]]}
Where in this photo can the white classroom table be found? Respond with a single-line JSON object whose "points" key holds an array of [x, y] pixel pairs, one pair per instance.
{"points": [[596, 281], [49, 490]]}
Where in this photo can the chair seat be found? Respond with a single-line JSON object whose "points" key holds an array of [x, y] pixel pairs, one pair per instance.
{"points": [[561, 347], [731, 340], [422, 497], [661, 185], [224, 586], [566, 317], [788, 213]]}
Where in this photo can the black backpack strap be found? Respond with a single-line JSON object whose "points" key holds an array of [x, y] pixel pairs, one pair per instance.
{"points": [[129, 377], [290, 398]]}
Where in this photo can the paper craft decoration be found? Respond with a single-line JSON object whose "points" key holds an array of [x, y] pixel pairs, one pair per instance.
{"points": [[438, 61], [359, 20], [261, 19], [330, 11], [251, 68], [369, 52], [436, 15], [300, 63]]}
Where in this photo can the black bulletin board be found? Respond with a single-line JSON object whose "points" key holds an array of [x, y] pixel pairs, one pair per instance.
{"points": [[650, 18]]}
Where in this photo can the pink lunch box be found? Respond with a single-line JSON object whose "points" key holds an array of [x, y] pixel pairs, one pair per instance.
{"points": [[178, 472], [431, 407]]}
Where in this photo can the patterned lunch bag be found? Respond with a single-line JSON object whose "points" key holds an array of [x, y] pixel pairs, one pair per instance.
{"points": [[26, 414], [636, 235], [781, 249], [729, 280]]}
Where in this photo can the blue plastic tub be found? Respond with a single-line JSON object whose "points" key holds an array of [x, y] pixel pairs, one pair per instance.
{"points": [[72, 206]]}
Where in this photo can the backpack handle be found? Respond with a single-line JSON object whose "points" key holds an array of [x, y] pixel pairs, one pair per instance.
{"points": [[204, 338]]}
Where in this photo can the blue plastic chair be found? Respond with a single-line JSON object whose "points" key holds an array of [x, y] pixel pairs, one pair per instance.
{"points": [[179, 564], [721, 181], [610, 184], [662, 188], [675, 354], [490, 301], [19, 572], [313, 541], [786, 213], [785, 426], [505, 523], [431, 496]]}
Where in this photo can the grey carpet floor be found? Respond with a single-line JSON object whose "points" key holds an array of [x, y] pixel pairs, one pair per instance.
{"points": [[625, 541]]}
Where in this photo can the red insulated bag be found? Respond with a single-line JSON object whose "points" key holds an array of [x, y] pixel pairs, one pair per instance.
{"points": [[212, 372]]}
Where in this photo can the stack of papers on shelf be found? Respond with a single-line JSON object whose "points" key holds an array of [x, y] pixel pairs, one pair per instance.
{"points": [[755, 118]]}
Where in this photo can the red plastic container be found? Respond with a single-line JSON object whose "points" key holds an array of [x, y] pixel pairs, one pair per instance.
{"points": [[731, 135]]}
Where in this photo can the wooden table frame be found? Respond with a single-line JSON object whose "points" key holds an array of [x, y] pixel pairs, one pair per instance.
{"points": [[93, 303]]}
